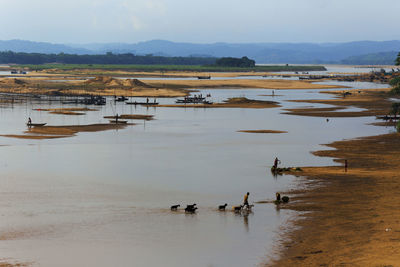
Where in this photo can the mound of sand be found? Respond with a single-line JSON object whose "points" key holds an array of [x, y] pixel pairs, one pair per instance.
{"points": [[112, 82], [135, 83], [12, 81], [100, 79]]}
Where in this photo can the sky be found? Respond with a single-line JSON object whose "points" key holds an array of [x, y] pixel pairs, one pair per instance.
{"points": [[200, 21]]}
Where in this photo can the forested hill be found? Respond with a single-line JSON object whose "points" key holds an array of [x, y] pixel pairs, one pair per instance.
{"points": [[383, 58], [268, 53], [108, 58]]}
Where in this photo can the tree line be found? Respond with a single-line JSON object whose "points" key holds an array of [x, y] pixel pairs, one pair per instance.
{"points": [[10, 57], [395, 82], [243, 62]]}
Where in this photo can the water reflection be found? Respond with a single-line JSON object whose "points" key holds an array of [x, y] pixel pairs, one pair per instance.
{"points": [[246, 222]]}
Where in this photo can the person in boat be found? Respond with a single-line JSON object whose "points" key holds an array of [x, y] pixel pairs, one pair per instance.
{"points": [[29, 120], [116, 118], [246, 200], [276, 162], [147, 100], [155, 100]]}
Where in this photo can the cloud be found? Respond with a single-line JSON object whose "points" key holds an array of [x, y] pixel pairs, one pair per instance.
{"points": [[198, 21], [136, 23]]}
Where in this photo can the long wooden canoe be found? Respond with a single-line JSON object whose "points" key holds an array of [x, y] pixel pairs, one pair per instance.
{"points": [[35, 124]]}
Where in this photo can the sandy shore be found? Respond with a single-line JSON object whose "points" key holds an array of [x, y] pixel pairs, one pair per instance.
{"points": [[5, 264], [51, 132], [108, 86], [239, 83], [352, 218], [236, 102], [373, 102], [67, 111]]}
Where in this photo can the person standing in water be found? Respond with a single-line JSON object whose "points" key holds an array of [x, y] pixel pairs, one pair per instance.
{"points": [[246, 200], [276, 162], [29, 120]]}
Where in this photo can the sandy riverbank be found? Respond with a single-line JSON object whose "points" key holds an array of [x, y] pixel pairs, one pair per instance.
{"points": [[240, 83], [108, 86], [104, 86], [51, 132], [67, 111], [372, 101], [352, 218], [236, 102]]}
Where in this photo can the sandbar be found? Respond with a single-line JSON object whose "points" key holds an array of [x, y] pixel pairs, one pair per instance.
{"points": [[51, 132], [132, 117], [109, 86], [67, 111], [236, 102], [373, 101], [262, 131]]}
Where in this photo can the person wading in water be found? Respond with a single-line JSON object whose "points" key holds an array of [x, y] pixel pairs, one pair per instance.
{"points": [[276, 162], [246, 200]]}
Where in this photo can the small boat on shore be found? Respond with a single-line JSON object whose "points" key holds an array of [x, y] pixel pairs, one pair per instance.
{"points": [[69, 102], [35, 124], [121, 99], [192, 100], [118, 121], [204, 77]]}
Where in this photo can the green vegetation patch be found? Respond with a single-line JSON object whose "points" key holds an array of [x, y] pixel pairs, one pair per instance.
{"points": [[151, 68]]}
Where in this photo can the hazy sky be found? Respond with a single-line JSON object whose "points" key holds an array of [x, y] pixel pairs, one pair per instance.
{"points": [[202, 21]]}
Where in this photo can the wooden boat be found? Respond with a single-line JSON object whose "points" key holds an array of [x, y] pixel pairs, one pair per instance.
{"points": [[131, 117], [35, 124], [118, 122], [190, 100], [204, 77], [142, 103], [70, 102], [121, 99]]}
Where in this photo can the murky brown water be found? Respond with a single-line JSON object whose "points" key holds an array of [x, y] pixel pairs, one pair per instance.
{"points": [[102, 199]]}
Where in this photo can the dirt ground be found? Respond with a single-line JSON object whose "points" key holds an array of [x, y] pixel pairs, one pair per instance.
{"points": [[350, 218], [353, 217], [108, 86]]}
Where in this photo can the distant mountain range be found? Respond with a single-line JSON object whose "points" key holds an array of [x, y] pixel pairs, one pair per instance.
{"points": [[363, 52]]}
